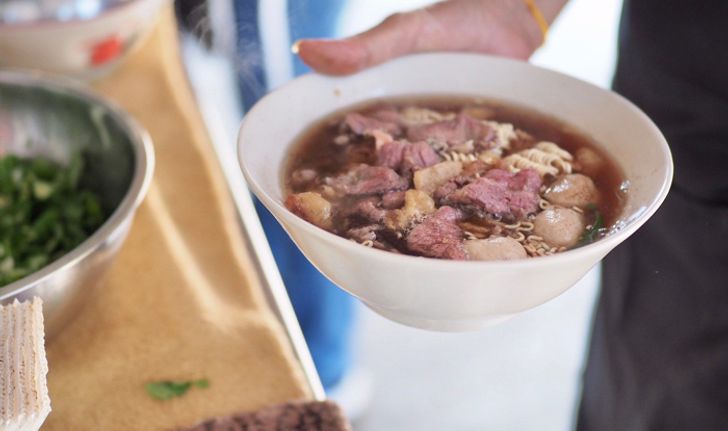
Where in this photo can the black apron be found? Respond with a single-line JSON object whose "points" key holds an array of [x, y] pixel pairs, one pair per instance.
{"points": [[658, 358]]}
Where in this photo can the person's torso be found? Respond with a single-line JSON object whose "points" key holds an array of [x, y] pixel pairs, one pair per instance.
{"points": [[674, 65]]}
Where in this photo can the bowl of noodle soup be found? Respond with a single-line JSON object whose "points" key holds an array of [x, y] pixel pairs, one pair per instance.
{"points": [[432, 286]]}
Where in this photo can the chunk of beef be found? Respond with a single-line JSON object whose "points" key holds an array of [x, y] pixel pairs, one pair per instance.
{"points": [[486, 194], [366, 180], [526, 179], [406, 157], [390, 154], [393, 200], [445, 190], [522, 203], [439, 235], [387, 114], [499, 175], [456, 131], [451, 186], [366, 125], [501, 193], [368, 209], [418, 155]]}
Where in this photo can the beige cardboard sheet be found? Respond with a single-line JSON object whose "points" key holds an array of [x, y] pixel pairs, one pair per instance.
{"points": [[182, 300]]}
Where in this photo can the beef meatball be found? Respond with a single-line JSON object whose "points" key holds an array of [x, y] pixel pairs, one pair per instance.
{"points": [[559, 227], [495, 248], [573, 190]]}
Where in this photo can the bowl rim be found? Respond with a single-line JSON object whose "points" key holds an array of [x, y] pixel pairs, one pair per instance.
{"points": [[144, 161], [55, 23], [603, 245]]}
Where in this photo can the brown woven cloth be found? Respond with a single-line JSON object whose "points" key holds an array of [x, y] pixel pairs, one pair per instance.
{"points": [[182, 300], [294, 416]]}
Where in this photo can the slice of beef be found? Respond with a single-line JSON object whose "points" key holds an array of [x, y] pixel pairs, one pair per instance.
{"points": [[366, 125], [445, 190], [390, 154], [387, 114], [501, 193], [526, 179], [418, 155], [393, 200], [368, 209], [486, 194], [522, 203], [406, 157], [456, 131], [439, 235], [451, 186], [499, 175], [366, 180]]}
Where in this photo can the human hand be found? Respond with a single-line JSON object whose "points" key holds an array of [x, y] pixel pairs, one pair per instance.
{"points": [[500, 27]]}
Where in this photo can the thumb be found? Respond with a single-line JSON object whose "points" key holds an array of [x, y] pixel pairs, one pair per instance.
{"points": [[394, 37]]}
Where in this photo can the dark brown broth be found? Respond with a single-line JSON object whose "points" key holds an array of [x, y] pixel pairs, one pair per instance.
{"points": [[315, 147]]}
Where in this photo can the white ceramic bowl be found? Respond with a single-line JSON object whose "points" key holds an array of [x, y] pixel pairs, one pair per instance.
{"points": [[81, 48], [441, 294]]}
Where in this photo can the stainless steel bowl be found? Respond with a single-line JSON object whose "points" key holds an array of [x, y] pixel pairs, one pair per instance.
{"points": [[40, 115]]}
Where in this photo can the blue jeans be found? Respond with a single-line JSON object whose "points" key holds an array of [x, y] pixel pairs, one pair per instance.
{"points": [[324, 311]]}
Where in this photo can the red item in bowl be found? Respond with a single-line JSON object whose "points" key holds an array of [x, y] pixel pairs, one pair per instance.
{"points": [[107, 50]]}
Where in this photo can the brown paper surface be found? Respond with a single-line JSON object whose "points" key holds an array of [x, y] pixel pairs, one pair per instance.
{"points": [[182, 300]]}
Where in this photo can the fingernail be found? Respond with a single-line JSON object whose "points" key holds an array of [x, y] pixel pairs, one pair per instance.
{"points": [[296, 46]]}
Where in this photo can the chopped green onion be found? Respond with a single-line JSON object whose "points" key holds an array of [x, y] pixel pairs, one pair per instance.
{"points": [[44, 213], [593, 231]]}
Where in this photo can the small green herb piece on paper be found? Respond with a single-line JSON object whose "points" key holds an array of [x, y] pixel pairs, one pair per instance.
{"points": [[168, 389], [202, 383]]}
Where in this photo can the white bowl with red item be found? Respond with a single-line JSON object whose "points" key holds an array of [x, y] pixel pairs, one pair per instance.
{"points": [[79, 38], [454, 295]]}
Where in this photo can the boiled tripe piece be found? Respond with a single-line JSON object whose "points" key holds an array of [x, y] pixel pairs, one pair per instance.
{"points": [[24, 401]]}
